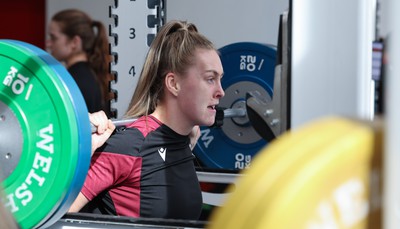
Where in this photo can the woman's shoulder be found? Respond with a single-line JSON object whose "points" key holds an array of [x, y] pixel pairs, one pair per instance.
{"points": [[145, 124]]}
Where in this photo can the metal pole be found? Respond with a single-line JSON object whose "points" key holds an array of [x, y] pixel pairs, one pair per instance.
{"points": [[391, 197]]}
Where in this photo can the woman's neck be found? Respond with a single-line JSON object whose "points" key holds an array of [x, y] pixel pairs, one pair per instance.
{"points": [[78, 57], [172, 120]]}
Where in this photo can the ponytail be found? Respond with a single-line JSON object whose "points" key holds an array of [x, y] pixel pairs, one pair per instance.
{"points": [[172, 50], [99, 58], [94, 43]]}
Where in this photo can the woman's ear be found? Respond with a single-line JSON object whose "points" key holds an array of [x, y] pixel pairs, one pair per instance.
{"points": [[172, 83], [76, 43]]}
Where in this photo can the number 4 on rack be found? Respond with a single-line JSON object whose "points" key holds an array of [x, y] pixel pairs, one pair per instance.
{"points": [[132, 70]]}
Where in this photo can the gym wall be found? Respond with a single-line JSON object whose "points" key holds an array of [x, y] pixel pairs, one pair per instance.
{"points": [[227, 21], [223, 21], [23, 20], [318, 86], [97, 9]]}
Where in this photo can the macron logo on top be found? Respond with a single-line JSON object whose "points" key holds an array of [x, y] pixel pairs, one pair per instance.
{"points": [[162, 152]]}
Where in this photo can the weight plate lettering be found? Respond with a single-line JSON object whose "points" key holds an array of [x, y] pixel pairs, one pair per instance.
{"points": [[81, 112], [247, 66], [44, 105]]}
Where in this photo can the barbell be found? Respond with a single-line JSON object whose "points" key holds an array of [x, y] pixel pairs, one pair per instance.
{"points": [[253, 111], [222, 114], [45, 132], [306, 175]]}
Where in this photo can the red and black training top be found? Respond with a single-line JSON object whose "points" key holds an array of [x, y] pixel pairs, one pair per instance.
{"points": [[144, 170]]}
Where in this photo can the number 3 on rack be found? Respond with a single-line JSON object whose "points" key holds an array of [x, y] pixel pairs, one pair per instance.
{"points": [[132, 33]]}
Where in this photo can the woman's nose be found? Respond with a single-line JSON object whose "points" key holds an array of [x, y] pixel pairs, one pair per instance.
{"points": [[220, 92]]}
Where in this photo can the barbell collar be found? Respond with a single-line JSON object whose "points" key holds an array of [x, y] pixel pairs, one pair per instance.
{"points": [[234, 112]]}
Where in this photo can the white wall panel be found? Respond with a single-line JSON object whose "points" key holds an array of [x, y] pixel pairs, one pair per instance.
{"points": [[331, 59], [231, 21]]}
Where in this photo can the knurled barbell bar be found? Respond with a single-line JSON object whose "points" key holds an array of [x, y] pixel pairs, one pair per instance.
{"points": [[222, 113]]}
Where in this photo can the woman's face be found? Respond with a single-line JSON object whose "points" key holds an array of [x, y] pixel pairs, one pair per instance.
{"points": [[201, 88], [58, 44]]}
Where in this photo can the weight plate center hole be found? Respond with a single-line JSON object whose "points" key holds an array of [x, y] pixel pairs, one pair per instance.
{"points": [[11, 141]]}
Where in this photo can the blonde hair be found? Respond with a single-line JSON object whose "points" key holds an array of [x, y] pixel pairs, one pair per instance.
{"points": [[172, 50]]}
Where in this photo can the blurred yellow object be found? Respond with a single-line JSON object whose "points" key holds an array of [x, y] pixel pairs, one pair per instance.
{"points": [[319, 176]]}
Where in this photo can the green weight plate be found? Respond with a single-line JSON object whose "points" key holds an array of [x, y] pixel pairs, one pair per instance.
{"points": [[37, 101], [81, 114]]}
